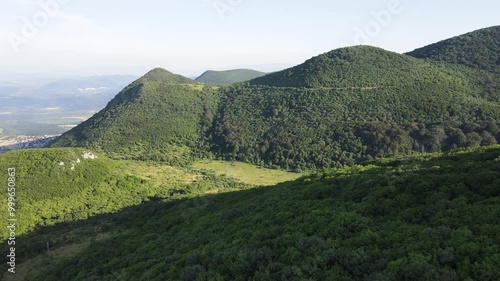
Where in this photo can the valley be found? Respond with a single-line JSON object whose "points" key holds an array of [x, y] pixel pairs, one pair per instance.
{"points": [[25, 142]]}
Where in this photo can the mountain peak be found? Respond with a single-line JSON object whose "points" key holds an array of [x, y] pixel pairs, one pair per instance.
{"points": [[162, 75], [359, 66]]}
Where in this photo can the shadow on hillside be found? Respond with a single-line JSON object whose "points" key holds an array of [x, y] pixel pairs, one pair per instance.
{"points": [[157, 217], [112, 225]]}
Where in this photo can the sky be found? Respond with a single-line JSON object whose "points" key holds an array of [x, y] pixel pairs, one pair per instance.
{"points": [[98, 37]]}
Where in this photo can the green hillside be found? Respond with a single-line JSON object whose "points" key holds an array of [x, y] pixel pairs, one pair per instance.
{"points": [[60, 185], [73, 185], [361, 67], [479, 49], [56, 185], [159, 117], [354, 104], [212, 77], [426, 217], [342, 107]]}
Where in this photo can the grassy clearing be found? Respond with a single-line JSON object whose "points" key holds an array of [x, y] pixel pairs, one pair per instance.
{"points": [[158, 175], [246, 173]]}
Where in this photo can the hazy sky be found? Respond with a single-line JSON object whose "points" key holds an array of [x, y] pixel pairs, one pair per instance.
{"points": [[89, 37]]}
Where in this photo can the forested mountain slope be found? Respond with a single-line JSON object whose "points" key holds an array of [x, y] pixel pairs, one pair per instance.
{"points": [[353, 104], [426, 217], [478, 49], [159, 117], [73, 184]]}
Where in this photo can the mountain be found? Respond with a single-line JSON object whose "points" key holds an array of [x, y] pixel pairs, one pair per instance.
{"points": [[479, 49], [353, 67], [160, 116], [425, 217], [212, 77], [354, 104], [342, 107]]}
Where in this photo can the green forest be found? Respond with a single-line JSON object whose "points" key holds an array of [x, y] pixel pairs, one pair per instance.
{"points": [[353, 105], [49, 192], [426, 217]]}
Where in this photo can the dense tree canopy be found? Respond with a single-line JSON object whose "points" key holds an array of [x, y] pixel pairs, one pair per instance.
{"points": [[354, 104], [427, 217]]}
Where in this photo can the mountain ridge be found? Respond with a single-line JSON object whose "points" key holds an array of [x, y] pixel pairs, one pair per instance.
{"points": [[338, 108], [161, 75], [337, 68], [477, 49]]}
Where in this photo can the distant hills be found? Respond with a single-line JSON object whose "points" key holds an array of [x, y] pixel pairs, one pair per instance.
{"points": [[56, 101], [212, 77], [342, 107], [478, 49]]}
